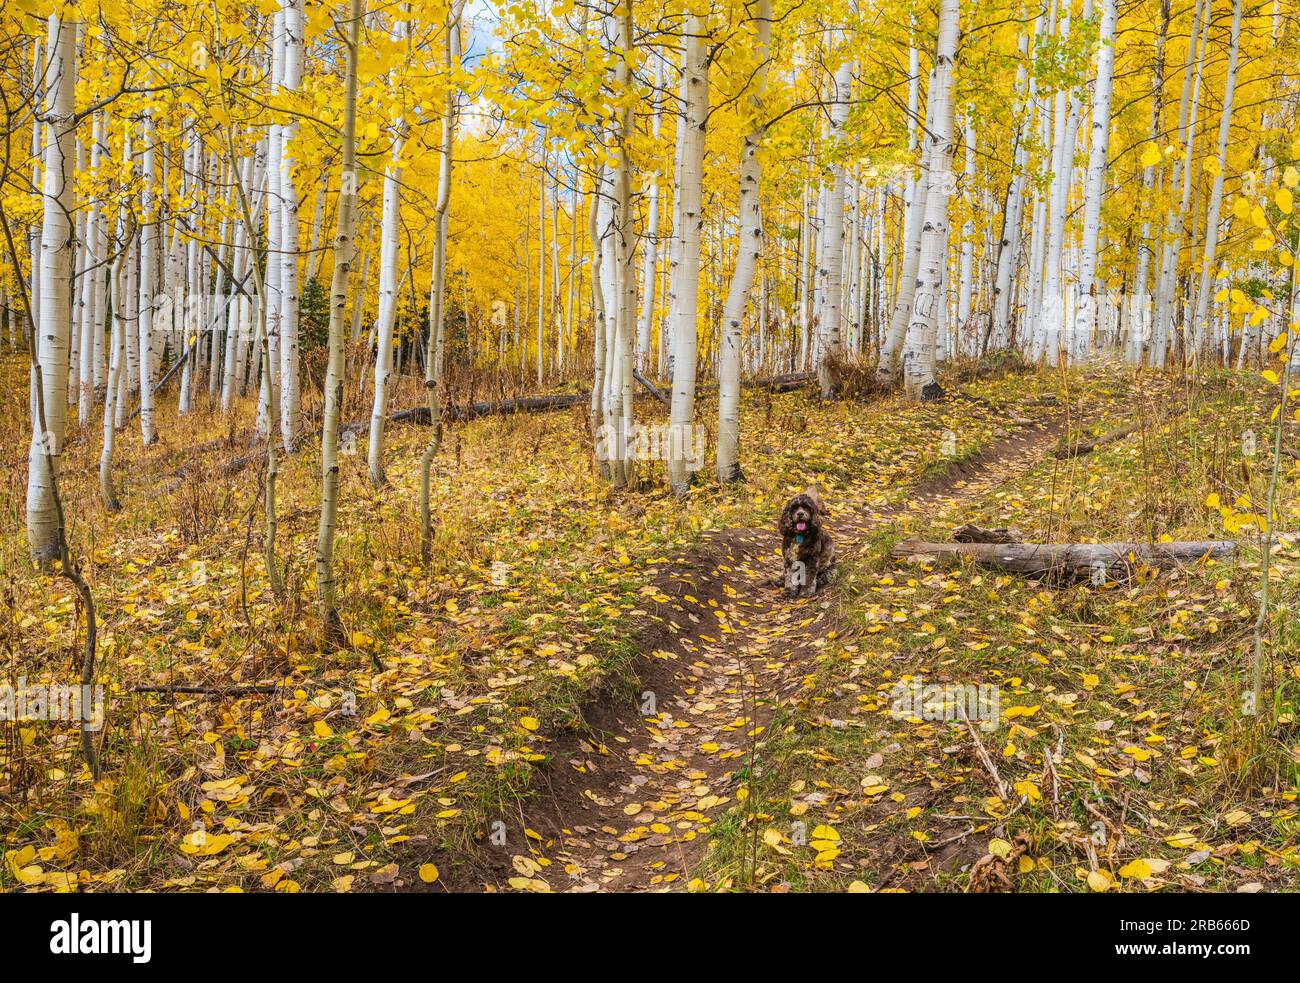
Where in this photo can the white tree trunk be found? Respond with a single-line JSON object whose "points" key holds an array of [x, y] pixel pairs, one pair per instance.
{"points": [[909, 257], [388, 294], [748, 252], [1094, 187], [436, 343], [116, 356], [149, 232], [830, 259], [343, 254], [55, 289], [687, 282], [1201, 311], [966, 270], [290, 391], [919, 352], [650, 254]]}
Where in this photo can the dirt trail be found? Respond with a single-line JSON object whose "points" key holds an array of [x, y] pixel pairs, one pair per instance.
{"points": [[632, 812]]}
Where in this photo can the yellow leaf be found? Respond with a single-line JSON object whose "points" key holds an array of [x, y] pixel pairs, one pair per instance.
{"points": [[428, 873], [1029, 790], [1283, 200], [529, 723], [1136, 869], [200, 844], [530, 884], [1151, 155], [1100, 881]]}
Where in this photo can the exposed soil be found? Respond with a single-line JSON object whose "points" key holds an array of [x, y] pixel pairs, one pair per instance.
{"points": [[629, 806]]}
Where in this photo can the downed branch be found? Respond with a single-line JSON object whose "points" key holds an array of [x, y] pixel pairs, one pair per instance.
{"points": [[1068, 561], [205, 690], [969, 533], [651, 388], [1081, 447], [542, 404]]}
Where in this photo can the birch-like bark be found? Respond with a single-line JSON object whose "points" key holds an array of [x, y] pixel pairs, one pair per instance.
{"points": [[331, 626], [43, 519], [650, 253], [1176, 217], [388, 293], [149, 219], [541, 265], [117, 353], [290, 390], [749, 251], [919, 353], [967, 263], [624, 243], [435, 346], [1201, 311], [1139, 333], [91, 343], [1093, 186], [830, 260], [1052, 340], [909, 258], [690, 179]]}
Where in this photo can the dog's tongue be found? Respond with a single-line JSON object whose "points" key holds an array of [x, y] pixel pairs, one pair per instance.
{"points": [[801, 526]]}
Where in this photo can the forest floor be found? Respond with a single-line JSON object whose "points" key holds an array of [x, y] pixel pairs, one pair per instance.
{"points": [[597, 690]]}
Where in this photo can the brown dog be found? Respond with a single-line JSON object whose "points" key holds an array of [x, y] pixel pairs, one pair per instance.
{"points": [[807, 548]]}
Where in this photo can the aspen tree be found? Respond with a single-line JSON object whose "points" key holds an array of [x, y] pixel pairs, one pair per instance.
{"points": [[389, 288], [1093, 188], [748, 253], [919, 355], [331, 625], [1200, 313], [690, 179], [44, 520], [436, 345]]}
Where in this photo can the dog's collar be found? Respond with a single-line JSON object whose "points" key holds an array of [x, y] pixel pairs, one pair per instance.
{"points": [[798, 538]]}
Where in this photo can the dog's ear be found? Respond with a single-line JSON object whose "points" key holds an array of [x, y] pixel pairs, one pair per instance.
{"points": [[785, 525]]}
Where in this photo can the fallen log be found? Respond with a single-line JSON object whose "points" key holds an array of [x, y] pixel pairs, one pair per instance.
{"points": [[1098, 562], [458, 414], [1081, 447], [543, 404]]}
